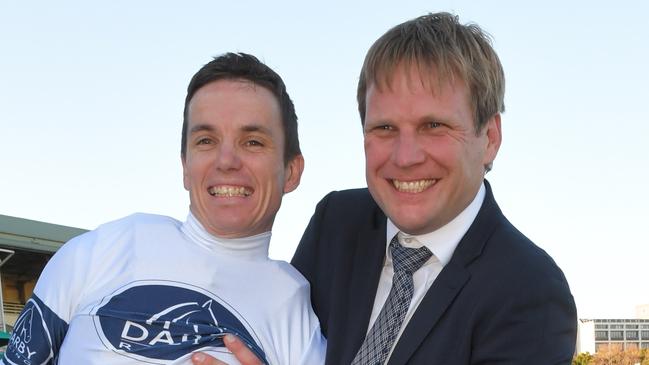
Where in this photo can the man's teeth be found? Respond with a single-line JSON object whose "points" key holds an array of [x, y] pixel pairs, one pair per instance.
{"points": [[413, 186], [229, 191]]}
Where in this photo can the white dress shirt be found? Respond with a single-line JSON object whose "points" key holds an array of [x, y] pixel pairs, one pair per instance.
{"points": [[441, 243]]}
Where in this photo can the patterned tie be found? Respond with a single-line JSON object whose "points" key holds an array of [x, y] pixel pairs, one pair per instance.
{"points": [[380, 338]]}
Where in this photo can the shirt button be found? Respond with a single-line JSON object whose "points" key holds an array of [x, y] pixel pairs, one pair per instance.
{"points": [[408, 240]]}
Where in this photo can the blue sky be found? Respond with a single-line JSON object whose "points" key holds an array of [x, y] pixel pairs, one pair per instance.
{"points": [[91, 98]]}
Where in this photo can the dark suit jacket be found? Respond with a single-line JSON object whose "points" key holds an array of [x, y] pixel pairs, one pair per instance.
{"points": [[500, 300]]}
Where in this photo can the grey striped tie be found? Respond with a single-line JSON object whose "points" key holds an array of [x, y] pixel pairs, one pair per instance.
{"points": [[380, 338]]}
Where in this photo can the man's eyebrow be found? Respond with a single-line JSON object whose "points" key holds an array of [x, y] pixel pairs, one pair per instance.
{"points": [[434, 118], [256, 128], [246, 128], [201, 128]]}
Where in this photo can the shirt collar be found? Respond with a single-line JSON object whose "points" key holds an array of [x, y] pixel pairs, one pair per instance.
{"points": [[253, 247], [443, 241]]}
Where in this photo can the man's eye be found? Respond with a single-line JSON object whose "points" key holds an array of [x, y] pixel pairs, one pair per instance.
{"points": [[385, 127], [254, 142], [204, 140], [434, 125]]}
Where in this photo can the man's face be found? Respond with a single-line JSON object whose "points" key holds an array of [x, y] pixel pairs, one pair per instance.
{"points": [[234, 168], [424, 160]]}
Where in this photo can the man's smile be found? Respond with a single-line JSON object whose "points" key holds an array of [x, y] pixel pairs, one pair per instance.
{"points": [[415, 186], [229, 191]]}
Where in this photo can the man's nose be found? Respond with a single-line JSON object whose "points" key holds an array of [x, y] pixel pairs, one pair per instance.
{"points": [[228, 157], [408, 150]]}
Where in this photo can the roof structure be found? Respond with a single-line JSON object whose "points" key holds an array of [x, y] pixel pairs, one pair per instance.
{"points": [[33, 242], [30, 235]]}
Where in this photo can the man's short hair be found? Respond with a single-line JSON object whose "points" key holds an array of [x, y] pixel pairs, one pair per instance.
{"points": [[246, 67], [454, 50]]}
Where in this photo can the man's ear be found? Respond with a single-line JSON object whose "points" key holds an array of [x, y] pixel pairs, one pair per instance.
{"points": [[493, 133], [293, 173], [186, 182]]}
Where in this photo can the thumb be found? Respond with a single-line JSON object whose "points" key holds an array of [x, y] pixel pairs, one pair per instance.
{"points": [[200, 358]]}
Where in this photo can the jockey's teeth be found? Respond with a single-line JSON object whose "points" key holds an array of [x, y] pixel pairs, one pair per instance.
{"points": [[412, 186], [229, 191]]}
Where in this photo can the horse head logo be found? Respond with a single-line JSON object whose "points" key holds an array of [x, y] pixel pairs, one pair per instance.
{"points": [[23, 326]]}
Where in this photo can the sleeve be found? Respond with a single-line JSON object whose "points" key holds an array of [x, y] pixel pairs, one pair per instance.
{"points": [[535, 323], [305, 257], [37, 335], [293, 335], [308, 258], [43, 323], [316, 349], [305, 343]]}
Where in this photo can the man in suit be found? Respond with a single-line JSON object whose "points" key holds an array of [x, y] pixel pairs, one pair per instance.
{"points": [[472, 289]]}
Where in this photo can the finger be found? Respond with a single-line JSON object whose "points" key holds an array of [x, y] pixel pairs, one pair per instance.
{"points": [[240, 351], [200, 358]]}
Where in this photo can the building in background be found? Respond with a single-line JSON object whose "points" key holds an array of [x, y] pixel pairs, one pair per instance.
{"points": [[25, 248], [597, 334]]}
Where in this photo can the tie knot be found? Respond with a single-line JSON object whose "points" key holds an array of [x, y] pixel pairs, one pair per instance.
{"points": [[408, 259]]}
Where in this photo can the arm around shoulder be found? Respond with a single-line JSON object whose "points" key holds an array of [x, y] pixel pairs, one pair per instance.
{"points": [[305, 255]]}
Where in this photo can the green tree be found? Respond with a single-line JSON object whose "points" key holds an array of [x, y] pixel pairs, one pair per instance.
{"points": [[582, 358], [643, 357]]}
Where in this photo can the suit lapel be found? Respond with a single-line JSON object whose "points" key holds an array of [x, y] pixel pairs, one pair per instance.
{"points": [[438, 298], [450, 281], [365, 273]]}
